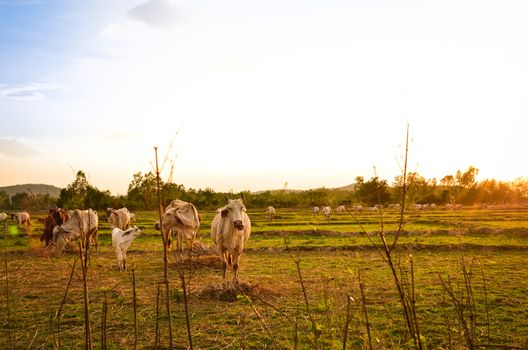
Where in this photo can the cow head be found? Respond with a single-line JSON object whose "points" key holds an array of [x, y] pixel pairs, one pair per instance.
{"points": [[133, 231], [234, 211]]}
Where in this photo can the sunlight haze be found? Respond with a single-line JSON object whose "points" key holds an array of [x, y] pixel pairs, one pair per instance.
{"points": [[253, 95]]}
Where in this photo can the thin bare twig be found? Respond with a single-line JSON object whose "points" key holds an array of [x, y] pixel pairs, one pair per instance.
{"points": [[59, 312], [134, 296], [364, 308], [305, 297], [347, 321], [164, 236]]}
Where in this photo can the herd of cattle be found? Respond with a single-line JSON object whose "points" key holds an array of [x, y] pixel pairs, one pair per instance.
{"points": [[230, 228]]}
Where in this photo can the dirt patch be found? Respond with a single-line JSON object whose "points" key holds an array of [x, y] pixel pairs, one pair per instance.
{"points": [[204, 261], [229, 291]]}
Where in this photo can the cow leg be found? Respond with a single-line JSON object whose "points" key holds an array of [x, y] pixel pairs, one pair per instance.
{"points": [[236, 258], [224, 257], [96, 238], [191, 243], [179, 244], [119, 257], [124, 259]]}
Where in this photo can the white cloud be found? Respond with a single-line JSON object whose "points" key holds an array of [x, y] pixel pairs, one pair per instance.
{"points": [[28, 91], [157, 13], [15, 149]]}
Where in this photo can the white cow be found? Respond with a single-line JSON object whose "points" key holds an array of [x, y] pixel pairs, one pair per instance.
{"points": [[119, 218], [315, 210], [82, 224], [121, 240], [230, 230], [340, 209], [326, 212], [182, 219], [3, 219], [132, 218], [270, 213], [21, 217]]}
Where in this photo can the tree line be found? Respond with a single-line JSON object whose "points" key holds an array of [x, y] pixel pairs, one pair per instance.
{"points": [[460, 188]]}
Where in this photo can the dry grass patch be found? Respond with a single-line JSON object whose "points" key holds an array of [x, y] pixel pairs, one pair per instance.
{"points": [[229, 291]]}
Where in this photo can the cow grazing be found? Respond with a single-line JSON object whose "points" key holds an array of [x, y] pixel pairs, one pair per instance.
{"points": [[3, 219], [315, 210], [230, 230], [56, 217], [82, 224], [119, 218], [21, 217], [270, 213], [340, 209], [326, 212], [182, 219], [121, 240]]}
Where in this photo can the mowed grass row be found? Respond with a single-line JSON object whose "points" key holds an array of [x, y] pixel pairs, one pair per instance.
{"points": [[330, 254]]}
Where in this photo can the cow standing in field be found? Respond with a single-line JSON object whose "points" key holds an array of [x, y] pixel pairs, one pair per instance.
{"points": [[56, 217], [181, 218], [315, 210], [326, 212], [119, 218], [230, 230], [340, 209], [270, 213], [121, 241], [21, 217], [3, 219], [83, 224]]}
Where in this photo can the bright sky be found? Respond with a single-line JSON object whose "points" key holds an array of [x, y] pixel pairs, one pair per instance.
{"points": [[260, 93]]}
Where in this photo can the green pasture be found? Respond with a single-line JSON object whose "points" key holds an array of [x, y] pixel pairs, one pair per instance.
{"points": [[493, 241]]}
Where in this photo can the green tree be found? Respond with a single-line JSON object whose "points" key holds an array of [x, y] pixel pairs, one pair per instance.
{"points": [[21, 200], [374, 191], [142, 191], [5, 201]]}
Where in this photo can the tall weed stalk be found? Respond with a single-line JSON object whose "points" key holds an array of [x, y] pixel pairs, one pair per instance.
{"points": [[165, 238]]}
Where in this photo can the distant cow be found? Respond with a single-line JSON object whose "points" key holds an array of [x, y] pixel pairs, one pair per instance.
{"points": [[315, 210], [21, 217], [270, 213], [82, 224], [230, 230], [121, 240], [56, 217], [3, 219], [340, 209], [182, 219], [132, 218], [119, 218], [326, 212]]}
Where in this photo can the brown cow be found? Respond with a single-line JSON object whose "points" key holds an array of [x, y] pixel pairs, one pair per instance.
{"points": [[56, 217]]}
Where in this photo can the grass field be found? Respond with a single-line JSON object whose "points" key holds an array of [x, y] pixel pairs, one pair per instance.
{"points": [[331, 253]]}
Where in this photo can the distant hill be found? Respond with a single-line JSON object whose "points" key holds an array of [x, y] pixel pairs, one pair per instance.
{"points": [[53, 191], [346, 188]]}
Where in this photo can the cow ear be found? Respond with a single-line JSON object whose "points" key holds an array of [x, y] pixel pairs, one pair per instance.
{"points": [[224, 213]]}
